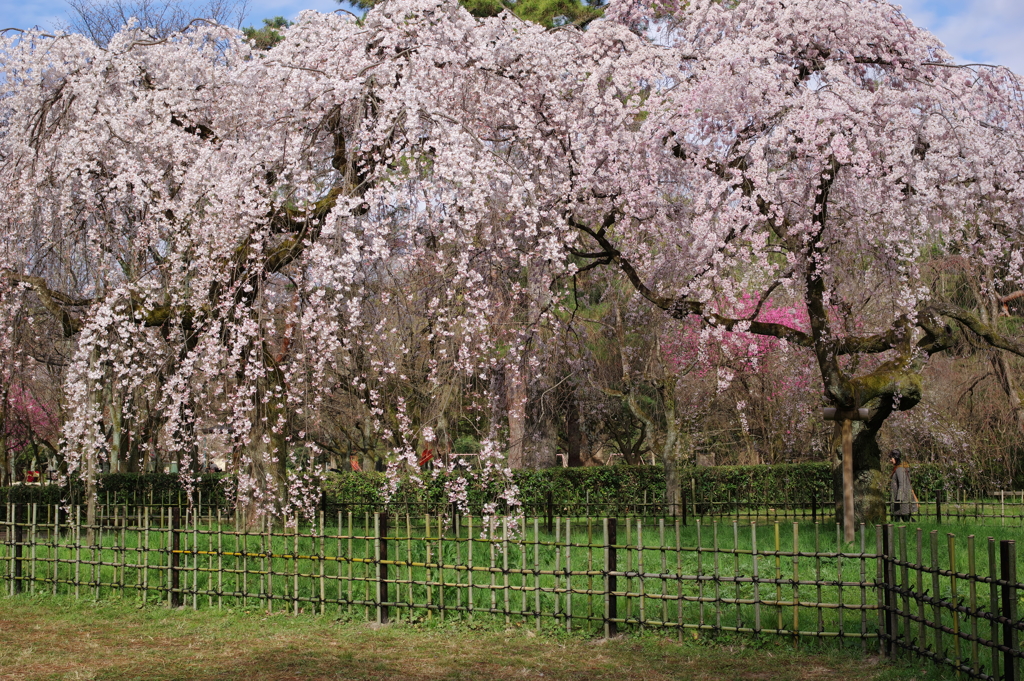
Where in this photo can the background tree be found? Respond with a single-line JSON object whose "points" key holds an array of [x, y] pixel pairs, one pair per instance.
{"points": [[100, 20], [267, 35], [548, 13]]}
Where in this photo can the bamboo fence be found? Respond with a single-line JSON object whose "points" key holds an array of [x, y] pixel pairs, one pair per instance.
{"points": [[894, 590]]}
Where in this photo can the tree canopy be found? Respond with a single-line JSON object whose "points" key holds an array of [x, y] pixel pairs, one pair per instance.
{"points": [[254, 240]]}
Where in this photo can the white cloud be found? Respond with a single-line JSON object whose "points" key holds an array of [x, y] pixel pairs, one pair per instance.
{"points": [[988, 31]]}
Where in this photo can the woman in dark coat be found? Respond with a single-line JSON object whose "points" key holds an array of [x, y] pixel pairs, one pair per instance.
{"points": [[904, 501]]}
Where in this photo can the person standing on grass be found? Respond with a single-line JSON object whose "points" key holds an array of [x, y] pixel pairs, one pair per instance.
{"points": [[904, 501]]}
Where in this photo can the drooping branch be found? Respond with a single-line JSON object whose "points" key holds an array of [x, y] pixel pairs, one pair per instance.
{"points": [[56, 302], [682, 307], [986, 331], [1005, 301]]}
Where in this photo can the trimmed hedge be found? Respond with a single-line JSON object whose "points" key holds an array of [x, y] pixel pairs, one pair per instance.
{"points": [[571, 489], [135, 487], [604, 489], [121, 488], [33, 494], [625, 488], [725, 487], [790, 484]]}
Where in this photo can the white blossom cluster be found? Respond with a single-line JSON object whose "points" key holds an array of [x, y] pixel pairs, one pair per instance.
{"points": [[238, 236]]}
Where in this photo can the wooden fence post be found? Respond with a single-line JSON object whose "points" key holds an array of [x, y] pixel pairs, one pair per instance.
{"points": [[693, 496], [56, 544], [7, 552], [682, 493], [938, 506], [993, 573], [1008, 575], [18, 539], [611, 628], [888, 584], [933, 541], [175, 557], [380, 521]]}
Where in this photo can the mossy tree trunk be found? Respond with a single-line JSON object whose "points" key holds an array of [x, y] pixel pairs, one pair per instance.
{"points": [[894, 386]]}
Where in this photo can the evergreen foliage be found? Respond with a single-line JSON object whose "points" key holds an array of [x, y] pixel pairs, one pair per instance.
{"points": [[550, 13], [268, 35]]}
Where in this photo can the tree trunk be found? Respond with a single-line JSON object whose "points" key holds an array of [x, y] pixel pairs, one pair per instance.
{"points": [[91, 467], [6, 461], [572, 432], [990, 308], [516, 398], [522, 453], [671, 449], [542, 442], [117, 440], [90, 497], [870, 483], [673, 496], [6, 457], [268, 444], [268, 468], [1004, 374]]}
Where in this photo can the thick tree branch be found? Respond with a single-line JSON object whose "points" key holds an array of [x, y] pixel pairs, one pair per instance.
{"points": [[54, 301], [680, 307], [937, 336], [985, 331], [837, 386]]}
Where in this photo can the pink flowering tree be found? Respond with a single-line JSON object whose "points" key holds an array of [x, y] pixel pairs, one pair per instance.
{"points": [[767, 382], [238, 236], [823, 151]]}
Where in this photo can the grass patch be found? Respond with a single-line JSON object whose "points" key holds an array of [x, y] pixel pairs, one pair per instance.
{"points": [[60, 638]]}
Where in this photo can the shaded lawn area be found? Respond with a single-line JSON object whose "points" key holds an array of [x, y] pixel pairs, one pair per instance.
{"points": [[59, 638]]}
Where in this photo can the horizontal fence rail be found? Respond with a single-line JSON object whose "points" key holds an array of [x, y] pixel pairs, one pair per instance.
{"points": [[893, 589]]}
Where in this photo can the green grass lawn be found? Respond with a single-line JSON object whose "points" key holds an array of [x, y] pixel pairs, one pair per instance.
{"points": [[61, 638]]}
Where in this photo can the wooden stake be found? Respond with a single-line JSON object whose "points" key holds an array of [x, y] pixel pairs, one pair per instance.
{"points": [[848, 519]]}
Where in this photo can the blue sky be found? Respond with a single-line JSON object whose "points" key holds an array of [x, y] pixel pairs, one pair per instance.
{"points": [[989, 31]]}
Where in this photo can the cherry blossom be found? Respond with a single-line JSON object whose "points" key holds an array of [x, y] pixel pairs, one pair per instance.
{"points": [[240, 237]]}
